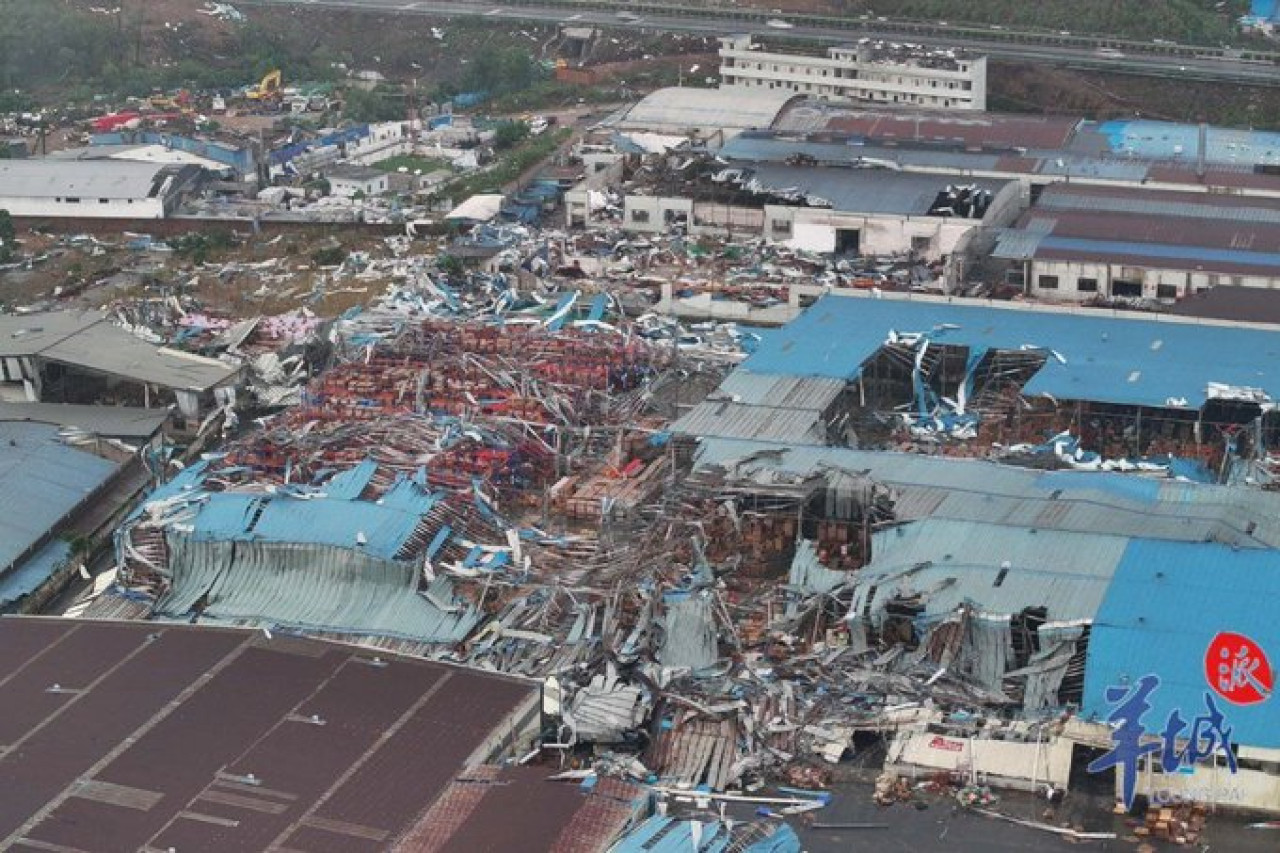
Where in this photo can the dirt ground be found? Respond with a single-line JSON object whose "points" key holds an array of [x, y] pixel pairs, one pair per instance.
{"points": [[264, 274]]}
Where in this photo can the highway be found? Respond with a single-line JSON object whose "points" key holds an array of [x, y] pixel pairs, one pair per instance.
{"points": [[1160, 59]]}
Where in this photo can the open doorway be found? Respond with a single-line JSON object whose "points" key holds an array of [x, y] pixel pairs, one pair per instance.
{"points": [[848, 241]]}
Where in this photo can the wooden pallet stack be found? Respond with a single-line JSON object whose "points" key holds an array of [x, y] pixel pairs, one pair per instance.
{"points": [[1181, 824]]}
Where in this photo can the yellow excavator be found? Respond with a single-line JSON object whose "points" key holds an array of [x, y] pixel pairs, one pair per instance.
{"points": [[268, 89]]}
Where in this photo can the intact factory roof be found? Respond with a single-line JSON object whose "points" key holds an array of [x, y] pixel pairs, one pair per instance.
{"points": [[1093, 356], [45, 480], [1235, 304], [149, 736], [687, 107], [87, 179], [90, 341]]}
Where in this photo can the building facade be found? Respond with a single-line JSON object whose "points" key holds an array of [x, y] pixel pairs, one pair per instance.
{"points": [[866, 72], [94, 189]]}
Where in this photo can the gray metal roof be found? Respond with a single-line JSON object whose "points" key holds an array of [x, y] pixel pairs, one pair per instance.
{"points": [[979, 491], [29, 334], [755, 147], [310, 587], [107, 421], [41, 480], [90, 341], [764, 407], [680, 108], [999, 569], [1254, 211], [881, 191], [87, 179], [1015, 245]]}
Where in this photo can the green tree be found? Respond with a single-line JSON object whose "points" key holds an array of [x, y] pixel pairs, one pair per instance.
{"points": [[509, 134], [378, 105], [8, 238]]}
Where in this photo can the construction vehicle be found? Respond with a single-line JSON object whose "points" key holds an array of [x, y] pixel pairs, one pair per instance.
{"points": [[266, 90]]}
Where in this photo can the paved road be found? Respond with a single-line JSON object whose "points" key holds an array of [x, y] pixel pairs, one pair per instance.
{"points": [[1156, 60]]}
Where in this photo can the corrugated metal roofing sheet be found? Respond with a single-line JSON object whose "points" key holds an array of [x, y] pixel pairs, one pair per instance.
{"points": [[1108, 359], [109, 421], [689, 632], [44, 480], [1158, 203], [1156, 253], [28, 577], [764, 407], [672, 835], [90, 341], [334, 519], [115, 179], [309, 587], [979, 491], [685, 107], [1166, 604], [999, 569]]}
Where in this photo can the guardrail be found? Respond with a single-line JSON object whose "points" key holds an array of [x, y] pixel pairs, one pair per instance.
{"points": [[869, 25]]}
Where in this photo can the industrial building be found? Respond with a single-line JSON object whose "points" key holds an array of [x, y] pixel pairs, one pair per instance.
{"points": [[869, 72], [1003, 374], [1043, 588], [1079, 243], [1037, 150], [83, 358], [59, 488], [708, 115], [94, 189]]}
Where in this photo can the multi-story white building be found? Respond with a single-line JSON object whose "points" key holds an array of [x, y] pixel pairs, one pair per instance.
{"points": [[871, 72]]}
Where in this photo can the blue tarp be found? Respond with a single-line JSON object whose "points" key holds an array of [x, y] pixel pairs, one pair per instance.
{"points": [[1107, 359]]}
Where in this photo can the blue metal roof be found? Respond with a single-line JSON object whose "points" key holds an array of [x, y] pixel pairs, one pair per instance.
{"points": [[700, 835], [379, 529], [1108, 359], [1160, 251], [43, 480], [1166, 603], [28, 577]]}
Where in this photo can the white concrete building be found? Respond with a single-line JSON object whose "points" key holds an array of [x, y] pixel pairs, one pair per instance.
{"points": [[867, 72], [385, 140], [350, 181], [843, 211], [94, 189]]}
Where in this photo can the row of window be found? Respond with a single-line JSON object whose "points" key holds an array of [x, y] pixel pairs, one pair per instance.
{"points": [[840, 74], [1119, 287], [74, 200], [866, 94]]}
